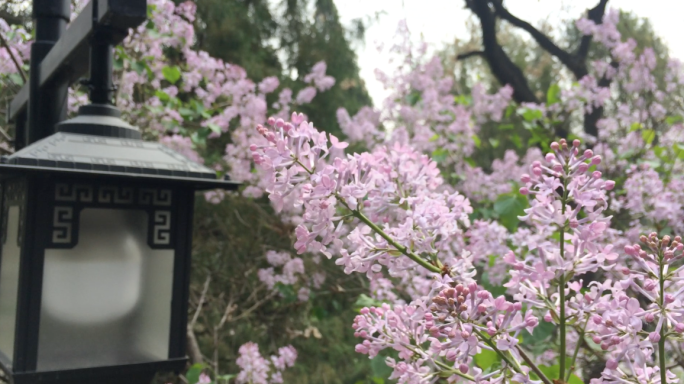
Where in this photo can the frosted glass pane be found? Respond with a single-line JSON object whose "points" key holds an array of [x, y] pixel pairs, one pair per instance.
{"points": [[107, 301], [9, 283]]}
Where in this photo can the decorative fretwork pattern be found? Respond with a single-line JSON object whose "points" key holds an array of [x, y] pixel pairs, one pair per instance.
{"points": [[116, 195], [71, 198], [74, 192], [62, 224], [157, 197], [161, 233]]}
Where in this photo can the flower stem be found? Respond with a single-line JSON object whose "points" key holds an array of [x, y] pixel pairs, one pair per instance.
{"points": [[532, 366], [455, 371], [661, 342], [390, 240], [491, 344], [561, 283], [577, 348]]}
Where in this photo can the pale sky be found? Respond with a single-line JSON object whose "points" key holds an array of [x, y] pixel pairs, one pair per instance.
{"points": [[441, 21]]}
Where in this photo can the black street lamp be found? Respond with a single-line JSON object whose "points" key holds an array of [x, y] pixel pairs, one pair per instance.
{"points": [[96, 223]]}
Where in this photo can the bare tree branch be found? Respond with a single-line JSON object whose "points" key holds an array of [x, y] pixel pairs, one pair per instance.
{"points": [[505, 71], [596, 15], [467, 55], [572, 62]]}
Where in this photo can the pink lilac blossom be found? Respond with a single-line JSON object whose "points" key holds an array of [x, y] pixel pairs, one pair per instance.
{"points": [[392, 186], [255, 369], [568, 197], [445, 330]]}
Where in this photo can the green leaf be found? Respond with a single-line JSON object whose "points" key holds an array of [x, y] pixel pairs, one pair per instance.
{"points": [[553, 372], [319, 312], [678, 150], [439, 155], [194, 373], [541, 333], [509, 206], [434, 137], [288, 292], [505, 127], [516, 140], [214, 128], [163, 96], [648, 135], [186, 112], [366, 301], [553, 94], [172, 74], [634, 127], [494, 142], [379, 367], [486, 359], [670, 120], [477, 141], [530, 114]]}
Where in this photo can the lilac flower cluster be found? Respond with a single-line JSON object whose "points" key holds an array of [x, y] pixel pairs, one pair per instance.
{"points": [[255, 369], [395, 187]]}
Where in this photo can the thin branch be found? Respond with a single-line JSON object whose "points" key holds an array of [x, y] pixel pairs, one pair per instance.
{"points": [[466, 55], [200, 303], [14, 59]]}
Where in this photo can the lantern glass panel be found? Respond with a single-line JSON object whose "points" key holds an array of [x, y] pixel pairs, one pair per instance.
{"points": [[9, 281], [107, 301]]}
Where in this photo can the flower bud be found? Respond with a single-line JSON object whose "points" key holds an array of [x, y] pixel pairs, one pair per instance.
{"points": [[555, 146], [649, 317], [630, 250], [481, 308], [279, 123], [596, 319], [588, 154], [525, 178], [517, 306], [491, 331], [365, 311], [611, 364], [669, 298], [654, 337], [596, 339], [550, 157], [531, 321], [465, 334], [451, 354], [596, 175], [573, 223], [650, 285], [463, 368], [679, 327], [610, 184], [548, 318], [524, 191], [596, 160], [576, 143], [537, 171]]}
